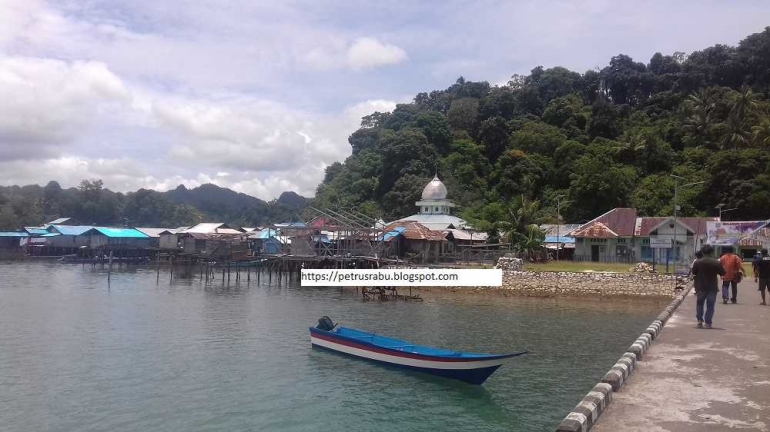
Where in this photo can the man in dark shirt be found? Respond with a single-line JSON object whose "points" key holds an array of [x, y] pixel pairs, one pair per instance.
{"points": [[762, 274], [706, 271]]}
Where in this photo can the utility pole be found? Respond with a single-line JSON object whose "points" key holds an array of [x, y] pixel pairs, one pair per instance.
{"points": [[558, 224], [719, 207], [676, 207]]}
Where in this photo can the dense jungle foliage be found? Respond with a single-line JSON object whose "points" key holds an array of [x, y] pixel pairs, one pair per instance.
{"points": [[593, 141], [92, 204]]}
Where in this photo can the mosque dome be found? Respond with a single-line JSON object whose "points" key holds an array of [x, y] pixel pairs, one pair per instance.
{"points": [[435, 190]]}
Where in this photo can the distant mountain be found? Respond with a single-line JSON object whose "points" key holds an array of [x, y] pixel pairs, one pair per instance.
{"points": [[294, 200], [223, 204], [90, 202]]}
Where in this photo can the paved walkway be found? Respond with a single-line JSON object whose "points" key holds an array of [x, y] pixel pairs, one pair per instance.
{"points": [[701, 380]]}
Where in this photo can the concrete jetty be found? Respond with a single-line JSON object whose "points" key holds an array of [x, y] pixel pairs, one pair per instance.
{"points": [[697, 379]]}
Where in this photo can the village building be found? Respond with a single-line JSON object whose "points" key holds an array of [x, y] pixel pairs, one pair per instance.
{"points": [[168, 239], [67, 237], [410, 239], [116, 238], [213, 228], [620, 236], [11, 243], [435, 210], [557, 238], [153, 234]]}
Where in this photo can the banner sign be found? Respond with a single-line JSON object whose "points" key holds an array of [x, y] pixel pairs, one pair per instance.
{"points": [[730, 233]]}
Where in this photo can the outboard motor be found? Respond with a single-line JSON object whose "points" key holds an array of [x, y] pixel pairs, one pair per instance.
{"points": [[325, 324]]}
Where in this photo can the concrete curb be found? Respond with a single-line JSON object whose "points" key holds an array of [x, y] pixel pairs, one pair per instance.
{"points": [[587, 412]]}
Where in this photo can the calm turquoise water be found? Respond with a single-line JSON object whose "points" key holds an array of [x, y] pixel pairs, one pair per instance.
{"points": [[147, 355]]}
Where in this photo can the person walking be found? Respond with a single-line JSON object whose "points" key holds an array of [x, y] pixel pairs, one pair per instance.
{"points": [[733, 266], [706, 271], [762, 274]]}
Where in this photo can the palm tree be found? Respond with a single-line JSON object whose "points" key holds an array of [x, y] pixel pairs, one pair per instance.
{"points": [[761, 133], [522, 213], [700, 109], [737, 134], [743, 105], [531, 240], [632, 144]]}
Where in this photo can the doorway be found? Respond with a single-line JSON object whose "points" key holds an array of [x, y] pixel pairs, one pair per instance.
{"points": [[595, 253]]}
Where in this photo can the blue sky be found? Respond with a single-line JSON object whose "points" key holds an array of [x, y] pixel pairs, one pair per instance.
{"points": [[261, 96]]}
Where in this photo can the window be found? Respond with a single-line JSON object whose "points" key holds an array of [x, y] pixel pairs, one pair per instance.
{"points": [[621, 240], [425, 209], [645, 241], [435, 209], [579, 240]]}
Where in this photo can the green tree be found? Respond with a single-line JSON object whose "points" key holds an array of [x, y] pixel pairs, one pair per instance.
{"points": [[463, 114], [599, 186], [8, 219]]}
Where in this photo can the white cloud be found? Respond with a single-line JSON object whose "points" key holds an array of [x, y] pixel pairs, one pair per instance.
{"points": [[47, 103], [366, 53], [154, 94], [277, 145]]}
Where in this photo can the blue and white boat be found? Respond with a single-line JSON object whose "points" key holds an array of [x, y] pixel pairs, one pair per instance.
{"points": [[468, 367]]}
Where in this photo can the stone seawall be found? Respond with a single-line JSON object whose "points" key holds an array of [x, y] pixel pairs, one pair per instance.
{"points": [[552, 284]]}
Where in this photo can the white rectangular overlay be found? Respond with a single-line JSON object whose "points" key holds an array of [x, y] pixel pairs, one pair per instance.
{"points": [[402, 277]]}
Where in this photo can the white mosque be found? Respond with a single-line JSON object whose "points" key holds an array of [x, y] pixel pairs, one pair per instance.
{"points": [[435, 209]]}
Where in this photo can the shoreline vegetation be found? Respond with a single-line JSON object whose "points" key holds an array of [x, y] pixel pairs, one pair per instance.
{"points": [[562, 145]]}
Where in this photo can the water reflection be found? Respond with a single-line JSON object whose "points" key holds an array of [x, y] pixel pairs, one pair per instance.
{"points": [[158, 353]]}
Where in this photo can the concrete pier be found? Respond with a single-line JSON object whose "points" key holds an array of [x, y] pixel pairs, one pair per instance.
{"points": [[701, 380]]}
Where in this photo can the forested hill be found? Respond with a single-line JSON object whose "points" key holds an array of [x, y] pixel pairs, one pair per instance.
{"points": [[91, 203], [601, 139]]}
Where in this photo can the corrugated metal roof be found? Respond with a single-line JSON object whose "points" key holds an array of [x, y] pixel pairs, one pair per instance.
{"points": [[205, 228], [152, 232], [562, 239], [59, 221], [120, 232], [645, 225], [416, 231], [467, 235], [212, 228], [36, 230], [228, 231], [13, 234], [594, 230], [73, 230], [563, 229], [390, 235], [620, 221]]}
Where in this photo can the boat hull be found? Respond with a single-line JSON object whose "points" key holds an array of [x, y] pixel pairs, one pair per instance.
{"points": [[472, 371]]}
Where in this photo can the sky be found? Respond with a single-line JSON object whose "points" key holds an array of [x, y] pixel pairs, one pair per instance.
{"points": [[260, 96]]}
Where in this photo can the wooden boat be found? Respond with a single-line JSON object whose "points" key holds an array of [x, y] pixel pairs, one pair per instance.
{"points": [[468, 367]]}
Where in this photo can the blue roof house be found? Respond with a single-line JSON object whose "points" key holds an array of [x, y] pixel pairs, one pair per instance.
{"points": [[70, 236], [100, 237]]}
